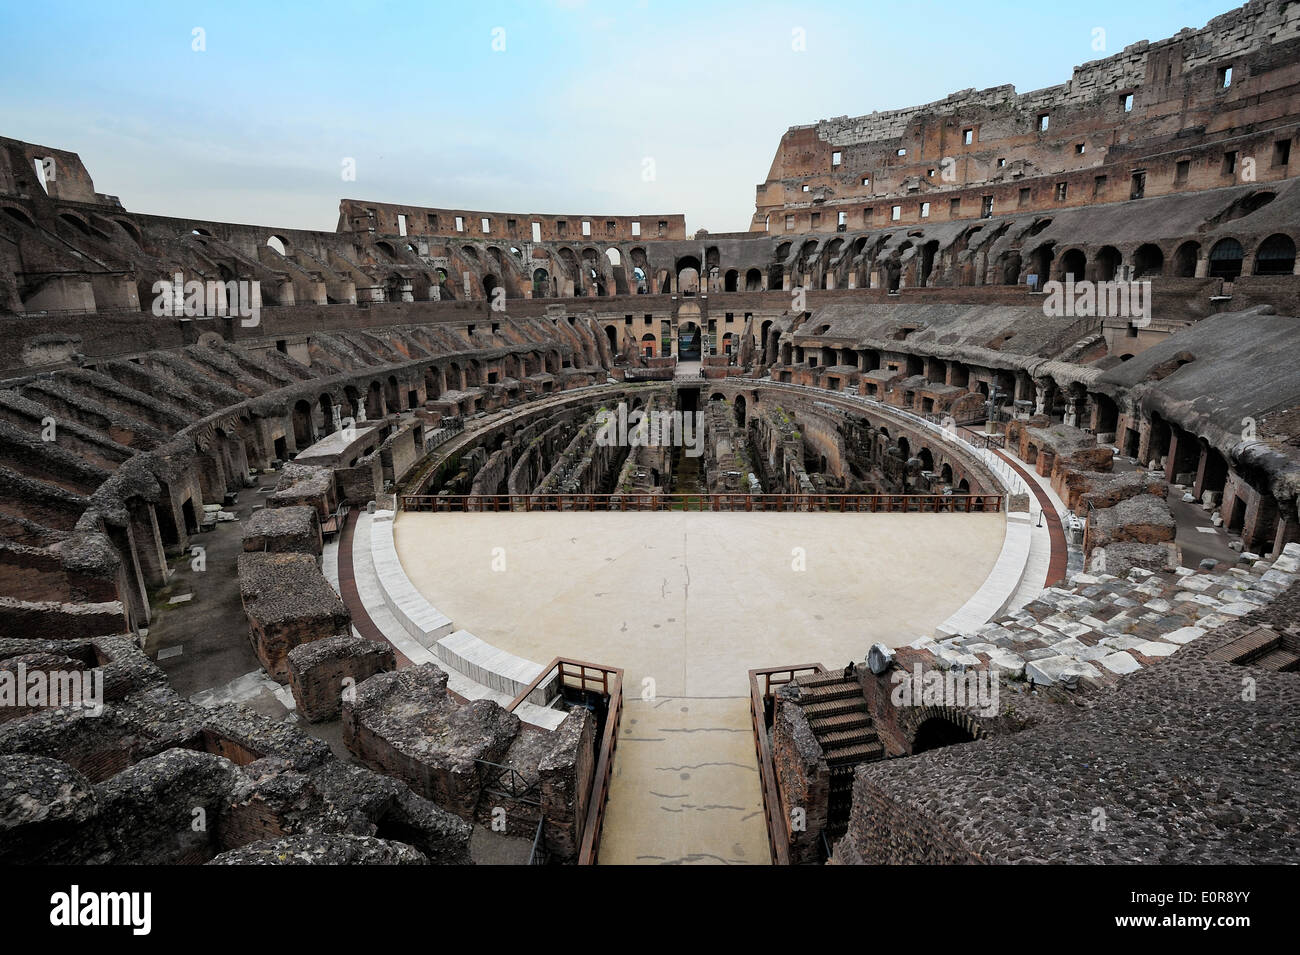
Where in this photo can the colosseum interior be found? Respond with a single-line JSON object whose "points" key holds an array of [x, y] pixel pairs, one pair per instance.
{"points": [[462, 537]]}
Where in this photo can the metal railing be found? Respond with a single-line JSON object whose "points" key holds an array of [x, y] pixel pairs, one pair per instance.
{"points": [[508, 782], [840, 503], [761, 684], [580, 675], [539, 855]]}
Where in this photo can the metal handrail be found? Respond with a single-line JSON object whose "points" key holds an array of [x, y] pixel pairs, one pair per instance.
{"points": [[722, 501], [610, 680]]}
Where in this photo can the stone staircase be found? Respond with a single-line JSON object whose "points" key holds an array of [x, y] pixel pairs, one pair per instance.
{"points": [[838, 715]]}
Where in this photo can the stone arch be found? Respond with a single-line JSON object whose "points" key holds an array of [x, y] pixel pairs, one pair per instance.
{"points": [[1107, 262], [1185, 259], [1275, 255], [1148, 260], [1075, 263], [1225, 259]]}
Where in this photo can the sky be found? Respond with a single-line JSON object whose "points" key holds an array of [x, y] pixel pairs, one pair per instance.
{"points": [[577, 107]]}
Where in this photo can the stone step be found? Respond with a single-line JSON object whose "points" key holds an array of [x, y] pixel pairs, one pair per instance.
{"points": [[825, 708], [831, 691], [843, 738], [1278, 660], [855, 719], [857, 753]]}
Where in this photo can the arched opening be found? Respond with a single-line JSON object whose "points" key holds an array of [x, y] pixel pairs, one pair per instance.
{"points": [[1185, 259], [391, 396], [1275, 256], [904, 448], [541, 283], [739, 407], [1040, 262], [303, 436], [1148, 260], [327, 414], [1225, 259], [753, 280], [945, 473], [927, 459], [1011, 268], [612, 334], [927, 259], [730, 280], [490, 284], [688, 275], [1108, 260], [1074, 264], [374, 402], [648, 345], [615, 257], [638, 275], [278, 244], [937, 732]]}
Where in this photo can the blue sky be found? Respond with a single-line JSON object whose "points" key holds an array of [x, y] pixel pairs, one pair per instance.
{"points": [[256, 127]]}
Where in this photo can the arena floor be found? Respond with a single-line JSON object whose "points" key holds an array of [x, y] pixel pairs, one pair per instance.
{"points": [[691, 602], [694, 600]]}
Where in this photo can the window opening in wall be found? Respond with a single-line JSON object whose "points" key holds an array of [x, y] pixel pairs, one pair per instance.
{"points": [[1138, 188], [807, 188], [586, 227], [486, 224], [1044, 120], [866, 180], [841, 221], [789, 223], [401, 224], [836, 158], [1225, 77], [925, 210], [537, 232], [1281, 152], [1181, 169], [1002, 163], [967, 137], [954, 207], [512, 226], [561, 227], [1061, 188], [895, 213], [902, 152], [1230, 163], [636, 228], [1098, 185], [1126, 102], [40, 175], [460, 223], [1080, 148], [986, 207], [663, 227], [815, 219], [1025, 195], [433, 222]]}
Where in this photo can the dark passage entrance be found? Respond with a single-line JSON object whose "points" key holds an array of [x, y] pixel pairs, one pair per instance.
{"points": [[688, 342]]}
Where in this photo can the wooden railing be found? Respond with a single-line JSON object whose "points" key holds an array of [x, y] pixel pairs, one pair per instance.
{"points": [[872, 503], [761, 683], [589, 676]]}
